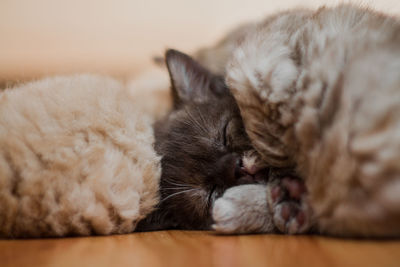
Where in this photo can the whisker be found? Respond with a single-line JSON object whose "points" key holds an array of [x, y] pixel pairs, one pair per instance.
{"points": [[199, 124], [203, 120], [178, 193], [178, 184], [176, 188]]}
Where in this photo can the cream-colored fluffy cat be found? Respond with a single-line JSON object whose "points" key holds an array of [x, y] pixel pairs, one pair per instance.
{"points": [[76, 158], [319, 91]]}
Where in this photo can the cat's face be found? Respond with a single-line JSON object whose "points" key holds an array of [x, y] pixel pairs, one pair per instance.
{"points": [[203, 144]]}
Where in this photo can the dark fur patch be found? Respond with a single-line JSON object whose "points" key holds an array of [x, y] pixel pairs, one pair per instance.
{"points": [[201, 142]]}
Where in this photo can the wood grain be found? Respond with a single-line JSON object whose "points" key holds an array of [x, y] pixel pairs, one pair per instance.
{"points": [[190, 248]]}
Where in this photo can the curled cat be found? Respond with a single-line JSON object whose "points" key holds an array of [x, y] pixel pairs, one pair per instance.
{"points": [[319, 91], [76, 158]]}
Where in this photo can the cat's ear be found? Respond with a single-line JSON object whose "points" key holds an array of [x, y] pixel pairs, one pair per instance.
{"points": [[190, 81]]}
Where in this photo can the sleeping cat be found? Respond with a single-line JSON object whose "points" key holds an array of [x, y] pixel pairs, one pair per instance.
{"points": [[76, 158], [205, 150], [319, 91]]}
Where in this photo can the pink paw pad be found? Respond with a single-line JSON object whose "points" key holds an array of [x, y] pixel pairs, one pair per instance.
{"points": [[294, 187], [290, 214]]}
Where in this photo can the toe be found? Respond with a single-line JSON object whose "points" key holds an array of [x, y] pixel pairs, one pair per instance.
{"points": [[285, 212], [294, 187], [276, 194], [300, 218]]}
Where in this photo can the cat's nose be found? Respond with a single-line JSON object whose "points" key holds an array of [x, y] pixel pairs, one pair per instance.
{"points": [[229, 168], [239, 171]]}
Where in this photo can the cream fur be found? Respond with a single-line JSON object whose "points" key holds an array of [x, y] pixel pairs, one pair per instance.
{"points": [[321, 90], [76, 158]]}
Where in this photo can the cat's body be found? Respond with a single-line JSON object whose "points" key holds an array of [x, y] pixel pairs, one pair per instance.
{"points": [[76, 158], [320, 91]]}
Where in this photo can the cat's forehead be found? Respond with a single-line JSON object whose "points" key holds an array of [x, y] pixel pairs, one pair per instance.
{"points": [[209, 113]]}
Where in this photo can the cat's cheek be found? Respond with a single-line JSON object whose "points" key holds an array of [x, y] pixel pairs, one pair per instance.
{"points": [[243, 209]]}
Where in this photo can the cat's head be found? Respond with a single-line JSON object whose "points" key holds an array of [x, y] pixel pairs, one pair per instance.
{"points": [[203, 144]]}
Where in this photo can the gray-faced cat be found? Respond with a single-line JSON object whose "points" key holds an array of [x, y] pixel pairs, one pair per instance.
{"points": [[204, 150]]}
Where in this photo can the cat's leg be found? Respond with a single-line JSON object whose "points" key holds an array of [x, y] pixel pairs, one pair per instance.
{"points": [[262, 77]]}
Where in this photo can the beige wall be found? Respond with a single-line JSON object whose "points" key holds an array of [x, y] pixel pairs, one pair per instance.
{"points": [[41, 37]]}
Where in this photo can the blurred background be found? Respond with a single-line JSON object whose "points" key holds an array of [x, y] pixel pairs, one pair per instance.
{"points": [[119, 37]]}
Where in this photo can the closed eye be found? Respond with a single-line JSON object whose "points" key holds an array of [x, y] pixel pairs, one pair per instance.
{"points": [[225, 134]]}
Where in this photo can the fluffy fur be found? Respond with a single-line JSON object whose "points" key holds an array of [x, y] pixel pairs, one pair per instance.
{"points": [[320, 91], [76, 158]]}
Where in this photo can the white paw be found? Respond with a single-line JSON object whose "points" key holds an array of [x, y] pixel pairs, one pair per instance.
{"points": [[243, 209]]}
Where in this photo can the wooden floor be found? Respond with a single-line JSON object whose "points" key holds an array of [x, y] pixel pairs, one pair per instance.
{"points": [[191, 249]]}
